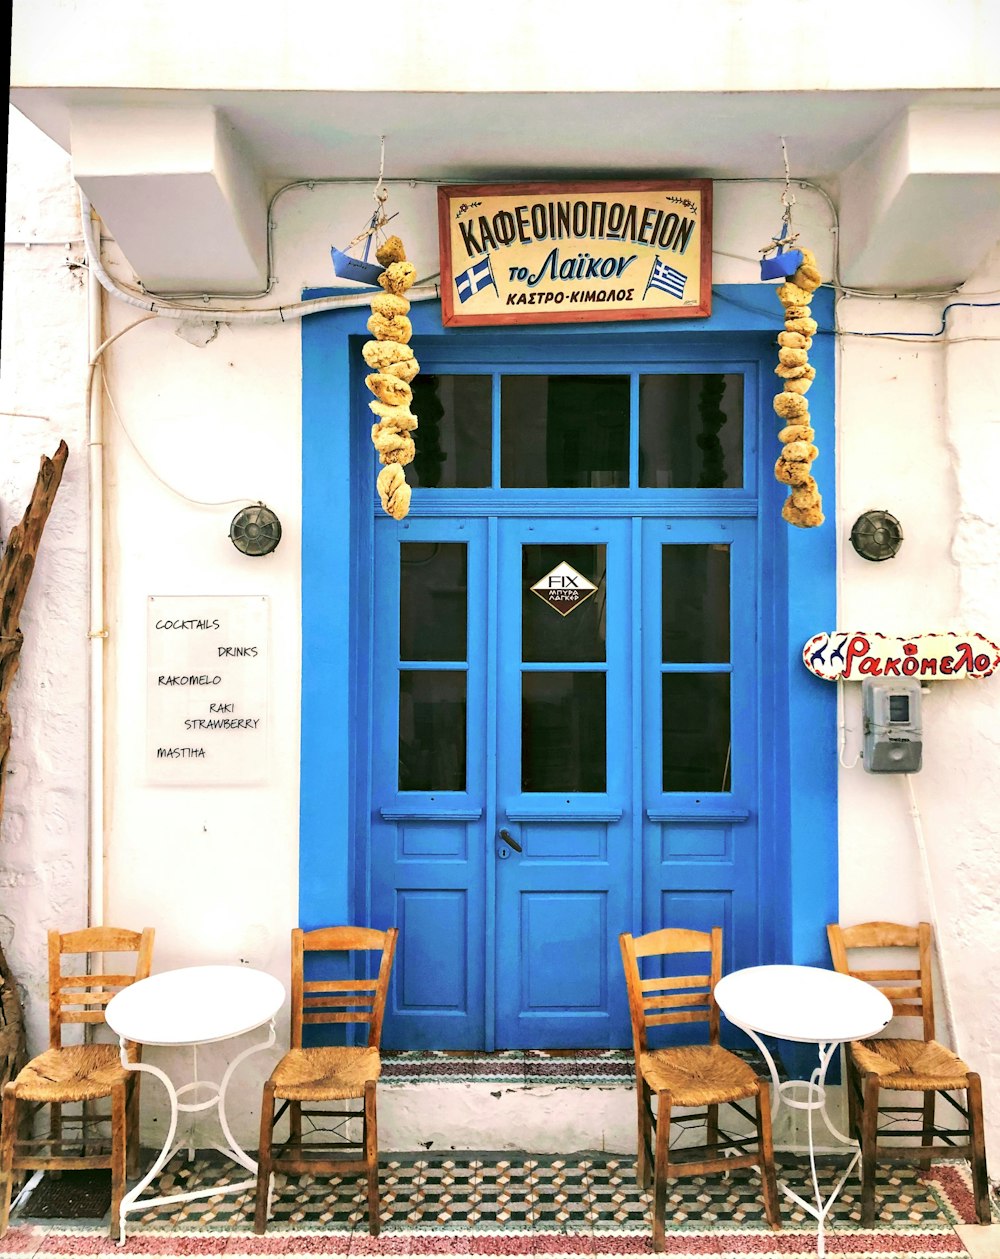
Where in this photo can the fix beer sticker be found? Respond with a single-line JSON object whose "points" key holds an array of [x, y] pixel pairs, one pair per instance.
{"points": [[564, 588], [852, 655]]}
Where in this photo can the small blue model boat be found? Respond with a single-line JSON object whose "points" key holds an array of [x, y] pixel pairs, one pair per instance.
{"points": [[360, 270], [784, 263]]}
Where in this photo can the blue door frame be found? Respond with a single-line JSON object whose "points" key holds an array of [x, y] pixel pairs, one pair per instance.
{"points": [[797, 806]]}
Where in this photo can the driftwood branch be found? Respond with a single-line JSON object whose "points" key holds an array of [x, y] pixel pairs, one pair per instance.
{"points": [[17, 563]]}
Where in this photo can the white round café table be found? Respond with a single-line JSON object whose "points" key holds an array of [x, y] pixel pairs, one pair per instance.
{"points": [[811, 1005], [195, 1005]]}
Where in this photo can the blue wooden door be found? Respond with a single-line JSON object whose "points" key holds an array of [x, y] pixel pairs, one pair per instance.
{"points": [[430, 854], [564, 769], [565, 693], [701, 861]]}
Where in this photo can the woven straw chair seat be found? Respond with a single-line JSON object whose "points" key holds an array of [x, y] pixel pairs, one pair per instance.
{"points": [[74, 1073], [910, 1064], [698, 1075], [331, 1073]]}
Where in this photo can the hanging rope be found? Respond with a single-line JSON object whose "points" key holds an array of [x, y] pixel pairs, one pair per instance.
{"points": [[786, 237], [381, 194], [787, 196]]}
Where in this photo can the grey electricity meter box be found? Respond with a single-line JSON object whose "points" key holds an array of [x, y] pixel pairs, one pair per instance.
{"points": [[892, 730]]}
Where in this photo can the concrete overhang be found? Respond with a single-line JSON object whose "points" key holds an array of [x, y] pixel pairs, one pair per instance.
{"points": [[920, 207], [182, 177], [180, 192]]}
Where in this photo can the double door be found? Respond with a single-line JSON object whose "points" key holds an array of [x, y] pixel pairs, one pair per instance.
{"points": [[565, 746]]}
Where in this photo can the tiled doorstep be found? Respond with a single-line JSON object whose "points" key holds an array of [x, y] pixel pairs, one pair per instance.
{"points": [[530, 1100], [980, 1242]]}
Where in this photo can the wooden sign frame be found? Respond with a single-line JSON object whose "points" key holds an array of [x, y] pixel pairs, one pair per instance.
{"points": [[586, 251]]}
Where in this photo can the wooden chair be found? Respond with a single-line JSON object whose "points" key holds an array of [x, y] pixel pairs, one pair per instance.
{"points": [[330, 1073], [80, 1073], [919, 1065], [700, 1075]]}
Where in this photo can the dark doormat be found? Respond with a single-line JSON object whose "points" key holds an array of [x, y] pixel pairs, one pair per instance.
{"points": [[75, 1195]]}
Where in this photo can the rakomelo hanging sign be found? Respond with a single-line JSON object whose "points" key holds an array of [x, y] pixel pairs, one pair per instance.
{"points": [[852, 655], [576, 252]]}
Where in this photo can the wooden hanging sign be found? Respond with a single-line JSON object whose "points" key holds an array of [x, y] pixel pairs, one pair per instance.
{"points": [[852, 655], [575, 252]]}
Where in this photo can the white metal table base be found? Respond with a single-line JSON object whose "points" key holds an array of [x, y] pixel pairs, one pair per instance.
{"points": [[132, 1200], [814, 1099]]}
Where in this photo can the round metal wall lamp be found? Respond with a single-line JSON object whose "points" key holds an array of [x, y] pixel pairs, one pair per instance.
{"points": [[876, 535], [255, 530]]}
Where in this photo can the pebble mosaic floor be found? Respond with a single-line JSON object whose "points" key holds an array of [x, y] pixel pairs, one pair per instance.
{"points": [[456, 1203], [580, 1194]]}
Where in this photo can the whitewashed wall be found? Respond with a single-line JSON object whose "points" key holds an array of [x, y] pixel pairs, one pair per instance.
{"points": [[559, 46], [216, 869], [920, 437], [43, 363]]}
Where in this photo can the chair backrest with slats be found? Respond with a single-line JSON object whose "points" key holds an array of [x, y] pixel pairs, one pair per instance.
{"points": [[341, 999], [663, 999], [910, 988], [80, 991]]}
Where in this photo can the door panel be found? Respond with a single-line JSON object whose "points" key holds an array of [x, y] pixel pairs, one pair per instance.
{"points": [[563, 773], [429, 830], [701, 772]]}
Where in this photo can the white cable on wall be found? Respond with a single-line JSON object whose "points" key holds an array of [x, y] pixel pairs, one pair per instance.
{"points": [[918, 829], [201, 315]]}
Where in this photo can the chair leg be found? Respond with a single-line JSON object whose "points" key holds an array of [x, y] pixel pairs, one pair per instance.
{"points": [[712, 1125], [295, 1124], [118, 1154], [643, 1171], [869, 1129], [132, 1137], [853, 1085], [661, 1167], [371, 1158], [9, 1121], [264, 1159], [55, 1134], [765, 1150], [927, 1124], [977, 1142]]}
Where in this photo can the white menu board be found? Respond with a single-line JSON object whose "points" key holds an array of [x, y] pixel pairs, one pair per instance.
{"points": [[207, 689]]}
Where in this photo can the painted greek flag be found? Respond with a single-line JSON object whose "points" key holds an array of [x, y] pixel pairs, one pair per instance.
{"points": [[667, 279], [479, 276]]}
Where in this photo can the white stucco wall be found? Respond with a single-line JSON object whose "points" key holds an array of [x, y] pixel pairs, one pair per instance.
{"points": [[215, 869], [919, 437], [43, 360], [443, 46]]}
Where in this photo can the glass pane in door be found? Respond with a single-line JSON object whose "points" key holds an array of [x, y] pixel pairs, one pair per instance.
{"points": [[432, 715], [564, 432], [696, 732], [696, 603], [563, 732], [570, 632], [455, 437], [691, 431], [695, 597], [432, 601], [433, 615]]}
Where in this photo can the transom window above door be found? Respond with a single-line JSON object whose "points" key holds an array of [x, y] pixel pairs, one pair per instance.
{"points": [[669, 430]]}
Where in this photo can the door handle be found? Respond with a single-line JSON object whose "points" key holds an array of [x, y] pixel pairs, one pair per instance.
{"points": [[507, 838]]}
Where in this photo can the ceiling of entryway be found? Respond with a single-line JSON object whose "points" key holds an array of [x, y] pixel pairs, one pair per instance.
{"points": [[916, 173], [469, 136]]}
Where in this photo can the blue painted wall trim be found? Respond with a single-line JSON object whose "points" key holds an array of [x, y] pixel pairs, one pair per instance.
{"points": [[329, 519], [800, 730]]}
